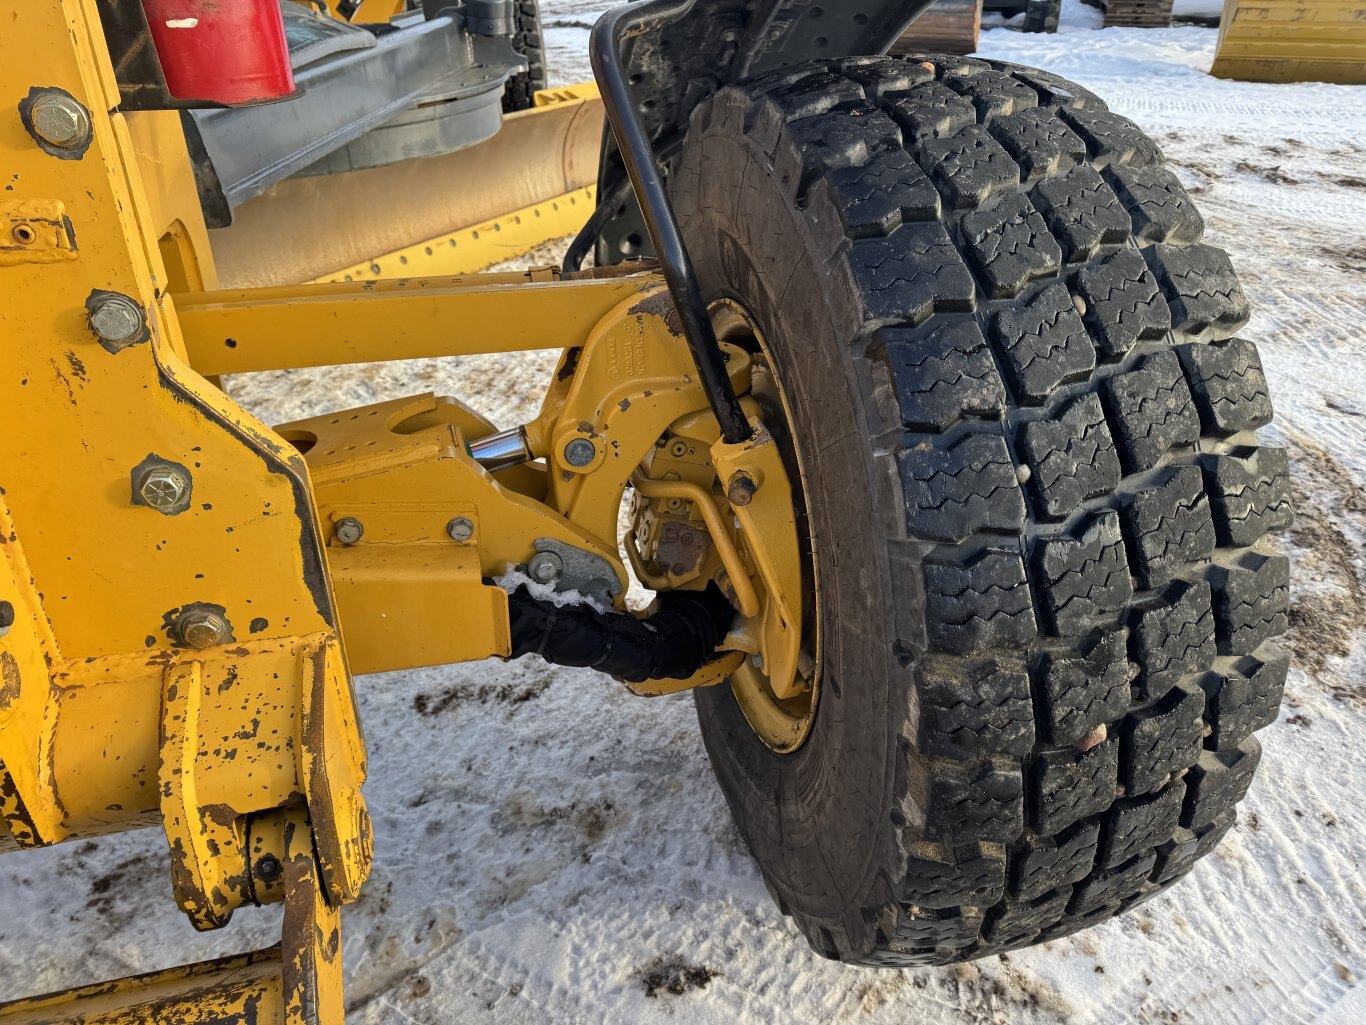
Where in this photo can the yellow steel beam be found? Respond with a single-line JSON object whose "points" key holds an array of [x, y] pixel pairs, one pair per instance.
{"points": [[241, 331], [473, 249]]}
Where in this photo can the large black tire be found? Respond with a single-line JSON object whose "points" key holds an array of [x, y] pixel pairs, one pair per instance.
{"points": [[520, 93], [1036, 502]]}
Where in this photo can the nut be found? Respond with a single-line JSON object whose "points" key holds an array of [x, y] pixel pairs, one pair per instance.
{"points": [[349, 530], [117, 319], [460, 529], [580, 452], [545, 567], [164, 488], [203, 628], [59, 120], [268, 868], [740, 491]]}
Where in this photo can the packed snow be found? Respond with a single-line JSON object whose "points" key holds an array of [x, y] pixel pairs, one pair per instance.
{"points": [[550, 849]]}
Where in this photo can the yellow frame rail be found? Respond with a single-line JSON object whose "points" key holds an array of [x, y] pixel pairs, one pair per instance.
{"points": [[278, 328]]}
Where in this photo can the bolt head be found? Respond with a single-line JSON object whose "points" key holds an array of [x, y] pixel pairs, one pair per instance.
{"points": [[164, 488], [580, 452], [268, 868], [460, 529], [6, 617], [349, 530], [202, 628], [60, 121], [117, 319], [740, 491], [545, 567]]}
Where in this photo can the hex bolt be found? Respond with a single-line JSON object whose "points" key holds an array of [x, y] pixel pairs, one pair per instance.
{"points": [[117, 319], [740, 491], [202, 628], [460, 529], [268, 868], [349, 530], [164, 488], [59, 120], [545, 567], [580, 452], [6, 617]]}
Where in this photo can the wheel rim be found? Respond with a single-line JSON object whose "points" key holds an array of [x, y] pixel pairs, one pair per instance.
{"points": [[782, 724]]}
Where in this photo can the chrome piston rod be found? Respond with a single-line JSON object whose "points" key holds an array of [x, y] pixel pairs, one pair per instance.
{"points": [[502, 450]]}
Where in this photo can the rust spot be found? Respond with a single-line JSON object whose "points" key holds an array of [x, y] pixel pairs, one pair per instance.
{"points": [[660, 305], [229, 678], [76, 364], [570, 364], [258, 624], [64, 381], [9, 680]]}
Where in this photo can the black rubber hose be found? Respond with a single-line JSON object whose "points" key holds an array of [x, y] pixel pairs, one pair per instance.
{"points": [[587, 237], [672, 644]]}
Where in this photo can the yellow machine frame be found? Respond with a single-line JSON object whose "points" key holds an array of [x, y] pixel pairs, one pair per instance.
{"points": [[150, 671]]}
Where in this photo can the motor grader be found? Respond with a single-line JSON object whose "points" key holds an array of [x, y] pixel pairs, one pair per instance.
{"points": [[909, 381]]}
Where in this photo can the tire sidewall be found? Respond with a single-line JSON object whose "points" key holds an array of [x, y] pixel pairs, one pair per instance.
{"points": [[820, 812]]}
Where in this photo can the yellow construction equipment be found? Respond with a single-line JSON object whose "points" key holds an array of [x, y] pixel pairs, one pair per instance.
{"points": [[1292, 41], [840, 433]]}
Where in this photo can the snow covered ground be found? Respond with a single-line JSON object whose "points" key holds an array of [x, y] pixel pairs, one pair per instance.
{"points": [[550, 850]]}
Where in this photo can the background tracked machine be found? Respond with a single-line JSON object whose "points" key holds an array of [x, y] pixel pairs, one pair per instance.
{"points": [[920, 391]]}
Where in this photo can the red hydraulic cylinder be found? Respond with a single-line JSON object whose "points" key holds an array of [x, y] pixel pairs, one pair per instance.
{"points": [[226, 51]]}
